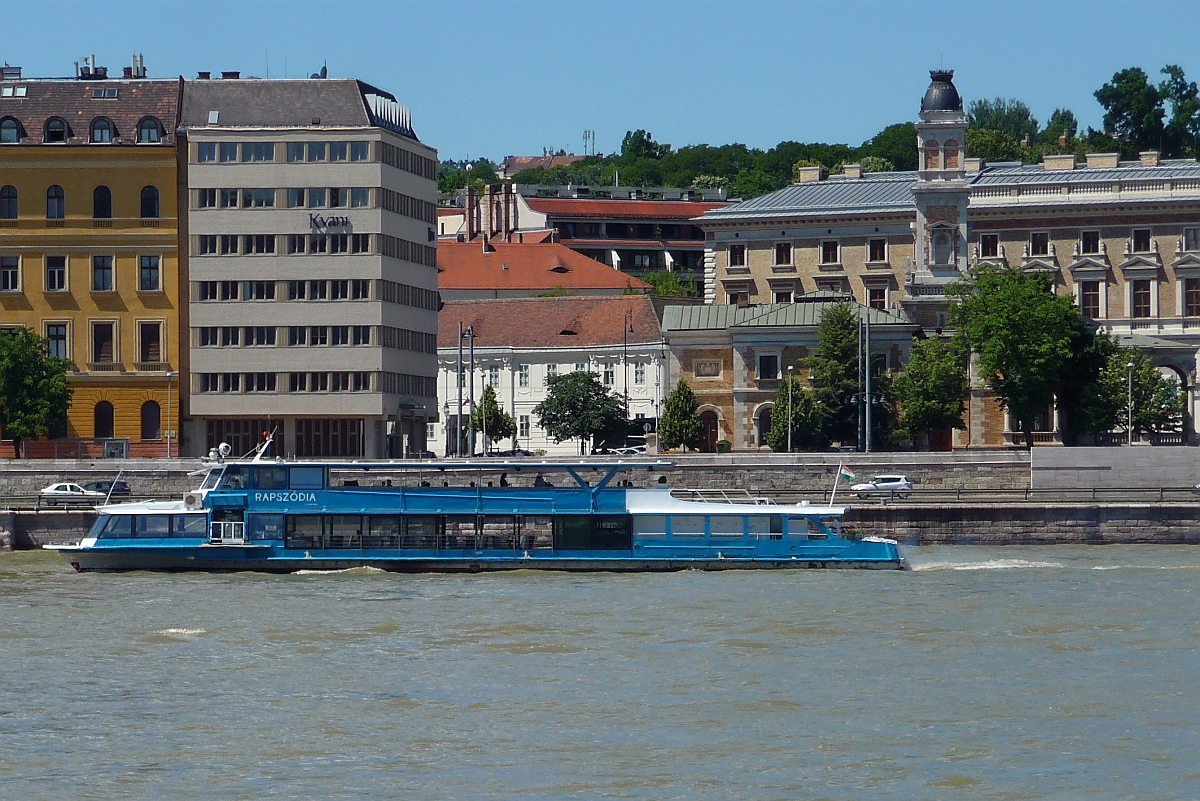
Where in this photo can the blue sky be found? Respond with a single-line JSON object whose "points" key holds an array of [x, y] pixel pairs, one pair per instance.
{"points": [[498, 78]]}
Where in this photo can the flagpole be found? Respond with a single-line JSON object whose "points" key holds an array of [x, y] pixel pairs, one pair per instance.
{"points": [[837, 476]]}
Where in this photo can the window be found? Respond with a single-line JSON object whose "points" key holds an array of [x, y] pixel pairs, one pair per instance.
{"points": [[207, 336], [206, 198], [148, 274], [362, 334], [339, 243], [258, 198], [737, 255], [360, 243], [580, 367], [56, 273], [231, 335], [151, 424], [103, 343], [339, 198], [295, 198], [260, 335], [149, 131], [297, 335], [360, 288], [641, 261], [318, 290], [316, 151], [738, 298], [339, 334], [493, 376], [10, 131], [56, 131], [260, 382], [259, 290], [1191, 237], [206, 244], [298, 382], [522, 375], [258, 243], [639, 373], [316, 198], [229, 244], [339, 290], [1089, 242], [829, 251], [228, 198], [149, 202], [228, 151], [337, 151], [206, 152], [360, 197], [10, 274], [1089, 299], [1039, 243], [258, 151], [56, 340], [106, 92], [768, 367], [989, 246], [783, 296], [102, 420], [551, 371], [877, 250], [523, 426], [360, 151], [56, 203], [102, 132], [877, 297], [1141, 240], [8, 202], [609, 379], [102, 273], [228, 290], [316, 244], [295, 243], [295, 152], [783, 253], [1141, 298], [1191, 297], [149, 343], [318, 335]]}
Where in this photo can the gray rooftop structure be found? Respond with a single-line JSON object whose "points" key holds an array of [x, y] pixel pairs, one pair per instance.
{"points": [[807, 310]]}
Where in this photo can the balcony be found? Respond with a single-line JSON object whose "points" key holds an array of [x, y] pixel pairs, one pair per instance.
{"points": [[1000, 259], [151, 367], [105, 367]]}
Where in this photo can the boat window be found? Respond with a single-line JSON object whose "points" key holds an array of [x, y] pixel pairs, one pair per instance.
{"points": [[190, 526], [499, 532], [650, 526], [537, 531], [270, 477], [687, 526], [303, 531], [592, 532], [770, 528], [382, 531], [726, 527], [421, 531], [798, 526], [237, 477], [460, 531], [307, 478], [345, 531], [153, 525], [210, 480], [117, 526], [264, 527], [97, 529]]}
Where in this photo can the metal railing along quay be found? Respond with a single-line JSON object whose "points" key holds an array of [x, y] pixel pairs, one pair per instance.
{"points": [[965, 496]]}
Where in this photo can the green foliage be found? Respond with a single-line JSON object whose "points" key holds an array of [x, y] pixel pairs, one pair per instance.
{"points": [[559, 292], [805, 163], [897, 143], [876, 164], [488, 418], [932, 390], [34, 393], [1158, 404], [680, 424], [667, 285], [992, 146], [1183, 123], [833, 371], [578, 406], [640, 144], [809, 418], [1133, 109], [1006, 115], [454, 176], [1090, 350], [710, 182], [1062, 123], [1022, 333]]}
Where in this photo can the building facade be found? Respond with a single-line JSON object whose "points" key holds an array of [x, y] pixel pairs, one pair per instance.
{"points": [[313, 268], [520, 343], [89, 250]]}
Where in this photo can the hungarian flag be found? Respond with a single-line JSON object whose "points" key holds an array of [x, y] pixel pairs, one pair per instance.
{"points": [[844, 473]]}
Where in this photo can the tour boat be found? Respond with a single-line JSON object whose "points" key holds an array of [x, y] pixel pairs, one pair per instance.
{"points": [[279, 516]]}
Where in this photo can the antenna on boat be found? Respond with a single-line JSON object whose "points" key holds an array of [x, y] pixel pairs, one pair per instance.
{"points": [[268, 438]]}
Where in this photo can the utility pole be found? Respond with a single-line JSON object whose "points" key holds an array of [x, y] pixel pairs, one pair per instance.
{"points": [[458, 409], [1129, 407], [867, 349], [471, 418], [791, 370], [858, 395]]}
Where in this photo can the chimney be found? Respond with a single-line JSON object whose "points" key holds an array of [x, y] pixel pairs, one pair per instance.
{"points": [[853, 170], [1061, 162], [1148, 158], [203, 76], [230, 75], [1062, 140], [973, 165], [8, 73], [471, 209], [808, 174], [127, 73], [1103, 160]]}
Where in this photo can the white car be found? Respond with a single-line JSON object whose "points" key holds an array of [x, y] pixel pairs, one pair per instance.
{"points": [[884, 485], [633, 450], [69, 493]]}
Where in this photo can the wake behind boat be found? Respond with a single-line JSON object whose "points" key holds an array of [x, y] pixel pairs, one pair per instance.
{"points": [[285, 516]]}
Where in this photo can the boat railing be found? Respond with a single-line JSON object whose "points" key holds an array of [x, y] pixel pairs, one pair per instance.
{"points": [[723, 496], [227, 532]]}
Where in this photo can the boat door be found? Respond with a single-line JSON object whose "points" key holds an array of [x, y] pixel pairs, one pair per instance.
{"points": [[228, 527]]}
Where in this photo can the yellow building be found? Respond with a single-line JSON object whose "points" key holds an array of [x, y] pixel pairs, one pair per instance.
{"points": [[89, 251]]}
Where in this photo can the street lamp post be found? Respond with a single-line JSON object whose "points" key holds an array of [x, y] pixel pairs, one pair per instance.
{"points": [[170, 429], [1129, 406], [626, 330], [446, 419], [789, 380]]}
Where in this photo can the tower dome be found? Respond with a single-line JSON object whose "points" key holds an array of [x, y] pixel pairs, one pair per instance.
{"points": [[941, 94]]}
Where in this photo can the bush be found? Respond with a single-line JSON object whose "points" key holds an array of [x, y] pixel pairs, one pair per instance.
{"points": [[724, 446]]}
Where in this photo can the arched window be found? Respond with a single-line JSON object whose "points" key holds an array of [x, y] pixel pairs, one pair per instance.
{"points": [[56, 203], [149, 202], [764, 424], [149, 130], [101, 203], [711, 424], [102, 420], [951, 154], [10, 131], [8, 203], [56, 131], [102, 131], [931, 155], [151, 420]]}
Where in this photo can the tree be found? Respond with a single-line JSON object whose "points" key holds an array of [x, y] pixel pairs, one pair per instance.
{"points": [[667, 285], [876, 164], [1133, 109], [897, 143], [806, 163], [932, 390], [808, 418], [1183, 125], [492, 421], [680, 425], [1090, 350], [1007, 115], [833, 371], [992, 146], [34, 393], [1158, 405], [1062, 124], [640, 144], [710, 182], [1021, 332], [577, 405]]}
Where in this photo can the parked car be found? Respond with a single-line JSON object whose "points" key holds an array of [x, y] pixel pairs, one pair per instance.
{"points": [[884, 485], [118, 488], [69, 493], [633, 450]]}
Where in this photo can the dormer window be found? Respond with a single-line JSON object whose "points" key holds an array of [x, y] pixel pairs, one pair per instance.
{"points": [[102, 131], [149, 131], [109, 93], [10, 131], [56, 131]]}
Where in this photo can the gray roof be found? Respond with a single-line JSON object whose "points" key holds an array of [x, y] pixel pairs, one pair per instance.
{"points": [[805, 311], [874, 192], [996, 175]]}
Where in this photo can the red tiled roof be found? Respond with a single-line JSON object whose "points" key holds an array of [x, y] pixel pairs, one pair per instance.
{"points": [[563, 207], [545, 322], [450, 211], [537, 267], [517, 163], [73, 102]]}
